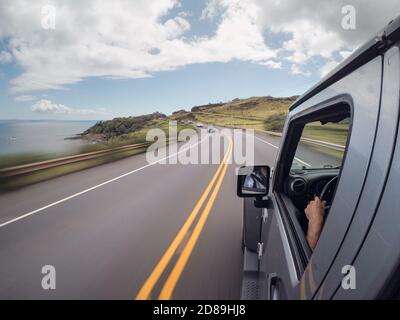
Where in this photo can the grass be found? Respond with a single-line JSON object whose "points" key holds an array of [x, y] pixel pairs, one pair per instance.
{"points": [[275, 122], [228, 121], [330, 132], [260, 108], [12, 183], [25, 158], [253, 113]]}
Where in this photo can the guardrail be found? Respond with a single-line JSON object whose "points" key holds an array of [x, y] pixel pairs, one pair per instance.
{"points": [[251, 118], [329, 145], [271, 133], [33, 167], [321, 143]]}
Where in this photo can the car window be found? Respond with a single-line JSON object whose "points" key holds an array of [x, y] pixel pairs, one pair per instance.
{"points": [[315, 172], [321, 146]]}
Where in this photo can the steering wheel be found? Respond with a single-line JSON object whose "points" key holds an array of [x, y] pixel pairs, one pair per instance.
{"points": [[324, 196]]}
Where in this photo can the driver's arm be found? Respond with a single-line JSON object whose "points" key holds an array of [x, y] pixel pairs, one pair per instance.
{"points": [[315, 216]]}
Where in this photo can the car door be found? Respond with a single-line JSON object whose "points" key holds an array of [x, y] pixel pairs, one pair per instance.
{"points": [[371, 276], [289, 270]]}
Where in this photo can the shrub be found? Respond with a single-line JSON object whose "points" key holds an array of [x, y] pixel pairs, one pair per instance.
{"points": [[275, 122]]}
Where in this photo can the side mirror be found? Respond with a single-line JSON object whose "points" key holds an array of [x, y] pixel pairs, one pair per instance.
{"points": [[253, 181]]}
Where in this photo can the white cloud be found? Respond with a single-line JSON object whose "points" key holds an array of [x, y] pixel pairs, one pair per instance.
{"points": [[5, 57], [119, 39], [24, 98], [272, 64], [134, 39], [176, 27], [315, 26], [296, 70], [48, 107]]}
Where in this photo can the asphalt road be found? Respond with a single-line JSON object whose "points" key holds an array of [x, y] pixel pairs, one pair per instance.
{"points": [[111, 230]]}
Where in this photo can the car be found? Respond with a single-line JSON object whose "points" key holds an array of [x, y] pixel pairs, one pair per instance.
{"points": [[357, 255], [199, 125], [211, 130]]}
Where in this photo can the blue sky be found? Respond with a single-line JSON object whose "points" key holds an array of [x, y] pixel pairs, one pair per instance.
{"points": [[130, 58], [165, 92]]}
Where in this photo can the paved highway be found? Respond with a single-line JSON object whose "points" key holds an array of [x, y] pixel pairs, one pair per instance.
{"points": [[130, 229]]}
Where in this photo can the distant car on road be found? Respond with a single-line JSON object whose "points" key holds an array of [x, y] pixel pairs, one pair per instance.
{"points": [[357, 253], [199, 125], [211, 130]]}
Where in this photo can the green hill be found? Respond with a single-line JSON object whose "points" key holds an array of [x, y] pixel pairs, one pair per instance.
{"points": [[267, 113]]}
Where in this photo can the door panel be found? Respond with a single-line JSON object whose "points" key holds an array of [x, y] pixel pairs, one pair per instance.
{"points": [[277, 265], [377, 174], [377, 262], [251, 224], [364, 86]]}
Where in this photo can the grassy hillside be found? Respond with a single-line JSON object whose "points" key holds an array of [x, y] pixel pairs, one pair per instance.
{"points": [[122, 127], [266, 113], [255, 107], [129, 130]]}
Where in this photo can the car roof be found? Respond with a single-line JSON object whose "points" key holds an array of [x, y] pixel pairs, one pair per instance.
{"points": [[374, 47]]}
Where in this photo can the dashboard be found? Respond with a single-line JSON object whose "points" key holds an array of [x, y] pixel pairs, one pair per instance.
{"points": [[303, 186]]}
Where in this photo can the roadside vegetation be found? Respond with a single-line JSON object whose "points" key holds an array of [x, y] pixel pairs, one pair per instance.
{"points": [[123, 128], [275, 122], [263, 113], [330, 132], [104, 135], [15, 182]]}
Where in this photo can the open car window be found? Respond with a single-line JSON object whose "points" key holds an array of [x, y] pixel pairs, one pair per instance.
{"points": [[319, 147], [322, 145]]}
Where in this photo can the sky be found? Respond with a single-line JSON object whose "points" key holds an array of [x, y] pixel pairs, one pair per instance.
{"points": [[92, 59]]}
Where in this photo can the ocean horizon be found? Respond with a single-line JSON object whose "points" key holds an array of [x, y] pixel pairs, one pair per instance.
{"points": [[41, 136]]}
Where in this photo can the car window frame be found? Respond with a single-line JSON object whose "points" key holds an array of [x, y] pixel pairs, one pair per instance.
{"points": [[301, 251]]}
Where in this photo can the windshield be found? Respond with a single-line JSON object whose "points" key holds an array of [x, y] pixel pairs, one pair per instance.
{"points": [[321, 146]]}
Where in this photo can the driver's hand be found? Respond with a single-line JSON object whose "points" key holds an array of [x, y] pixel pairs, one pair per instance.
{"points": [[315, 216]]}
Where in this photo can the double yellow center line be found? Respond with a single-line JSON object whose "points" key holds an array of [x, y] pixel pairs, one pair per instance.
{"points": [[172, 280]]}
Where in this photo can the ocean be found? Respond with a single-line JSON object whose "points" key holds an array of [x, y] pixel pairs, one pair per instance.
{"points": [[39, 136]]}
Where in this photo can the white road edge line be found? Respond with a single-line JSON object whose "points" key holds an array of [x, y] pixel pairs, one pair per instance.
{"points": [[303, 162], [270, 144], [97, 186]]}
